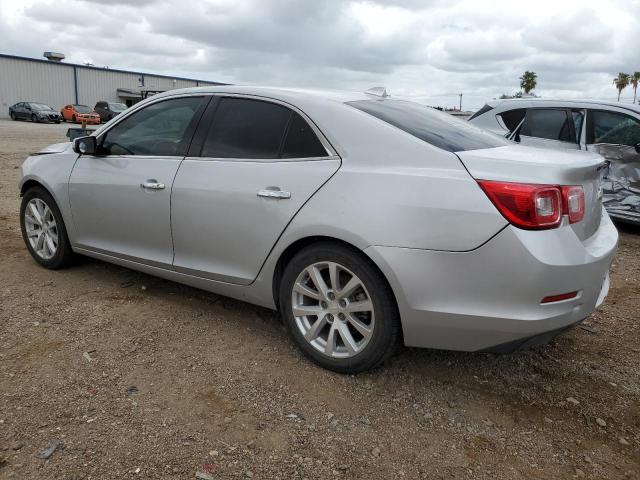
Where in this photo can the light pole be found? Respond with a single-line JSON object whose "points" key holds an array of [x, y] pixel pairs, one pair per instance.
{"points": [[460, 102]]}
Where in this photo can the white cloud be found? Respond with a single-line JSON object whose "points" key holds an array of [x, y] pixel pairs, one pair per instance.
{"points": [[428, 49]]}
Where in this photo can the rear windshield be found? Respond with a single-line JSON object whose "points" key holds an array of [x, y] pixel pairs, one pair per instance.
{"points": [[437, 128]]}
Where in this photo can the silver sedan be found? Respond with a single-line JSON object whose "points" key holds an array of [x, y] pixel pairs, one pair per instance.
{"points": [[367, 221]]}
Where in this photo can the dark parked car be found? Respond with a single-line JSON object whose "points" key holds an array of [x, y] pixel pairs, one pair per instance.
{"points": [[108, 110], [36, 112]]}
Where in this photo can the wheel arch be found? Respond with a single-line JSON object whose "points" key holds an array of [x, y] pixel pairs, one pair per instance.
{"points": [[291, 250], [30, 183]]}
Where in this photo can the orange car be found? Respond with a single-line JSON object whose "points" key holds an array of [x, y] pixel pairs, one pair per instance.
{"points": [[79, 114]]}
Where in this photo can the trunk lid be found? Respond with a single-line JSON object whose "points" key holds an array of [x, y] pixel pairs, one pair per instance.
{"points": [[520, 164]]}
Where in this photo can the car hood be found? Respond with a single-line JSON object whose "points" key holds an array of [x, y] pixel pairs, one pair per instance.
{"points": [[56, 148]]}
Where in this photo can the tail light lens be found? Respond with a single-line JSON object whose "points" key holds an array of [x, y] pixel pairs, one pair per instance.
{"points": [[532, 207], [573, 203]]}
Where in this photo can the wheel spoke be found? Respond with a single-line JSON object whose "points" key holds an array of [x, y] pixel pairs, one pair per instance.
{"points": [[333, 276], [306, 291], [40, 242], [316, 328], [331, 341], [306, 310], [363, 306], [33, 233], [317, 280], [54, 237], [363, 329], [348, 289], [347, 338], [35, 214], [50, 245]]}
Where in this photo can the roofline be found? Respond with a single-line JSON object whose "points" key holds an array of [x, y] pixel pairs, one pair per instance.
{"points": [[625, 106], [88, 67]]}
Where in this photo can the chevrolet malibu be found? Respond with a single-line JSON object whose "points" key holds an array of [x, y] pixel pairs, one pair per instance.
{"points": [[367, 221]]}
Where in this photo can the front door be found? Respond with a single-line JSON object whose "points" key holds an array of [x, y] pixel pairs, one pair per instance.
{"points": [[120, 198], [252, 166], [616, 136]]}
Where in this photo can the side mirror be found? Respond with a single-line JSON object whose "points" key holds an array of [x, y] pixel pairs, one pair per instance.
{"points": [[85, 145]]}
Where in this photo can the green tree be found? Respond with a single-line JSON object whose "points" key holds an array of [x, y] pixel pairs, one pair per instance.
{"points": [[635, 79], [528, 81], [621, 81]]}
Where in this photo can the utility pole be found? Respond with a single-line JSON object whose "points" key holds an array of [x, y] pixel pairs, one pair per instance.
{"points": [[460, 102]]}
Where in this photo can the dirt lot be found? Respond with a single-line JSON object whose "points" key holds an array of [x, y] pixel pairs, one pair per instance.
{"points": [[138, 377]]}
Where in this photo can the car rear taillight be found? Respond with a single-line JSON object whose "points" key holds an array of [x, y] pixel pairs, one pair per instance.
{"points": [[573, 203], [535, 207], [532, 207]]}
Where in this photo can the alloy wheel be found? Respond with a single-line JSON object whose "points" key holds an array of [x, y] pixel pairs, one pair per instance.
{"points": [[41, 228], [333, 309]]}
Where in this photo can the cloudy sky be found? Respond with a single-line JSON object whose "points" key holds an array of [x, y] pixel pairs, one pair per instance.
{"points": [[427, 49]]}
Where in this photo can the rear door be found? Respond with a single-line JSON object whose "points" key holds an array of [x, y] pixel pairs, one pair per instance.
{"points": [[550, 128], [616, 136], [253, 164]]}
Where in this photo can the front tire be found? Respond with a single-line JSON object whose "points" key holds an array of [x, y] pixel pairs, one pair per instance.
{"points": [[338, 308], [43, 229], [13, 116], [34, 119]]}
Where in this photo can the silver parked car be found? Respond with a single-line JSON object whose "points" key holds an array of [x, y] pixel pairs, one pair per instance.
{"points": [[610, 129], [366, 220]]}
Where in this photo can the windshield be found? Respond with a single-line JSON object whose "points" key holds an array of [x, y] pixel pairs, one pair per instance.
{"points": [[40, 106], [117, 107], [82, 109], [437, 128]]}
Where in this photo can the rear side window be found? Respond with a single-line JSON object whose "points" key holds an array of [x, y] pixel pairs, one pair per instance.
{"points": [[512, 118], [255, 129], [436, 128], [548, 123], [613, 128], [301, 141], [244, 128]]}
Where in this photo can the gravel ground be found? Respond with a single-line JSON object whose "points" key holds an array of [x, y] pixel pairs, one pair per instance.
{"points": [[123, 375]]}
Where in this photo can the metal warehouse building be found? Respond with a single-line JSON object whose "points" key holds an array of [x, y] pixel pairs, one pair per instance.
{"points": [[57, 84]]}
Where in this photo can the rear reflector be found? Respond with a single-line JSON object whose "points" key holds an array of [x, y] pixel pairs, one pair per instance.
{"points": [[559, 298], [528, 206]]}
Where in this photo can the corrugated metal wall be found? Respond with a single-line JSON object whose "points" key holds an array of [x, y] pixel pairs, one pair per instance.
{"points": [[23, 80], [96, 85]]}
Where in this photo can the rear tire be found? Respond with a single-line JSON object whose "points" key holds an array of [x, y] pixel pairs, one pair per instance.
{"points": [[356, 328], [43, 228], [73, 119]]}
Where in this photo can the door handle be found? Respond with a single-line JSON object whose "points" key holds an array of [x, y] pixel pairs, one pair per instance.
{"points": [[152, 185], [273, 193]]}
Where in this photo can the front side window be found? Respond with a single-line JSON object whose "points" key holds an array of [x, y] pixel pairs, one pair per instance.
{"points": [[613, 128], [552, 124], [436, 128], [255, 129], [157, 129]]}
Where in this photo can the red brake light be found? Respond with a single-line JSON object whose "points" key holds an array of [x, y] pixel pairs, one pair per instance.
{"points": [[573, 203], [559, 298], [527, 206]]}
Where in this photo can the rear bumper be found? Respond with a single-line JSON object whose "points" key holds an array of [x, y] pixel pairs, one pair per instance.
{"points": [[491, 296]]}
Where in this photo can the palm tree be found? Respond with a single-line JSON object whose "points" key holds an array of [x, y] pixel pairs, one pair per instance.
{"points": [[635, 79], [528, 81], [621, 81]]}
